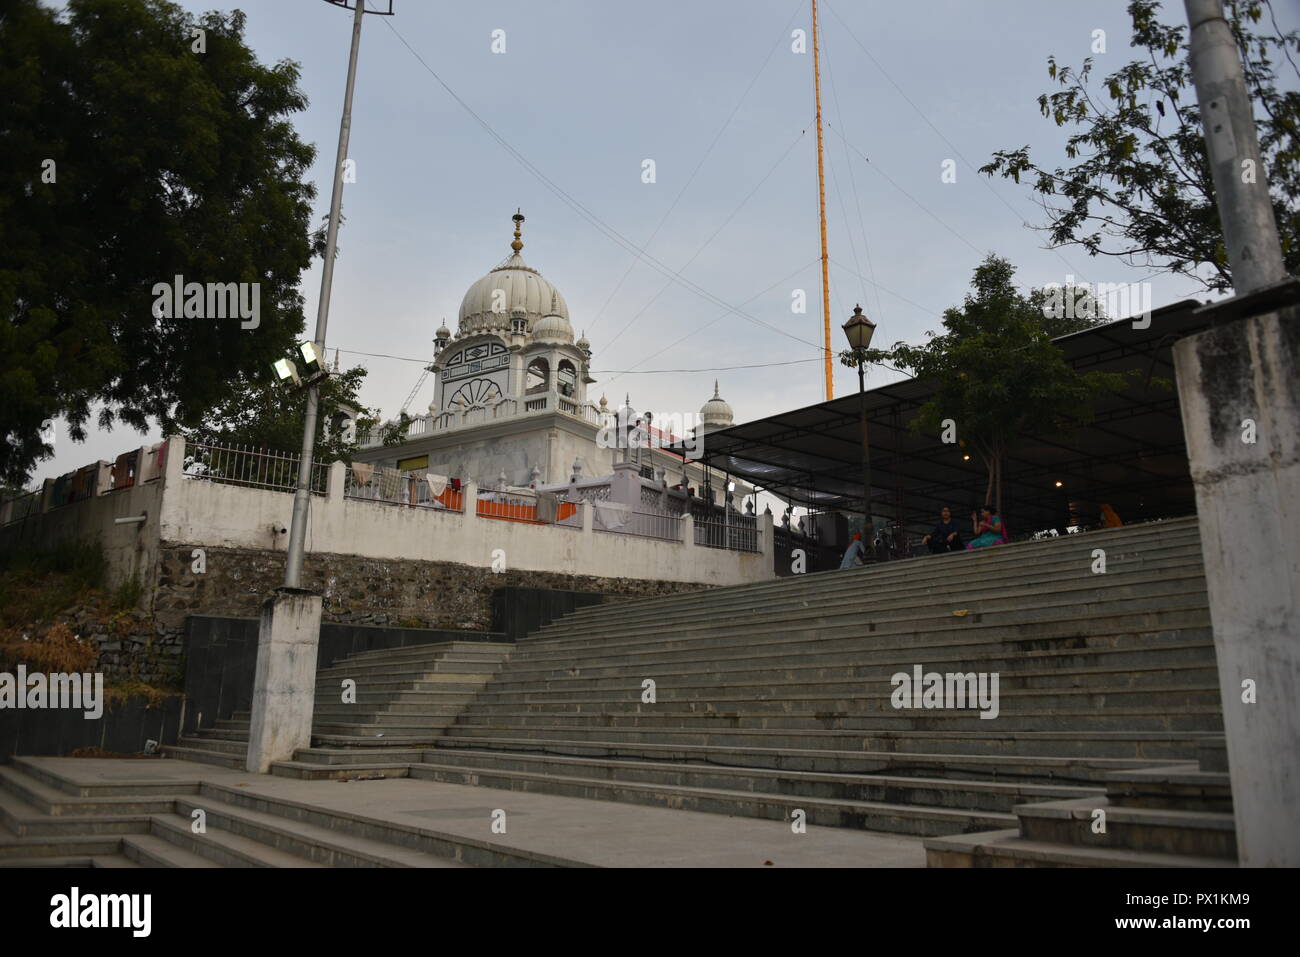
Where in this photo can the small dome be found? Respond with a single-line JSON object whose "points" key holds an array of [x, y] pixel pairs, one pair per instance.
{"points": [[716, 413], [583, 344], [552, 327], [442, 333]]}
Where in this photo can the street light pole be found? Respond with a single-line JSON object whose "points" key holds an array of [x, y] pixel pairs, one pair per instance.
{"points": [[868, 526], [302, 494], [859, 330]]}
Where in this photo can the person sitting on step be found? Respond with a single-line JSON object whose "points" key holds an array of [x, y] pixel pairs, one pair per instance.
{"points": [[988, 528], [946, 536]]}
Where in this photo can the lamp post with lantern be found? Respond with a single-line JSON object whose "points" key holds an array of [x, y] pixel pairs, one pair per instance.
{"points": [[859, 330]]}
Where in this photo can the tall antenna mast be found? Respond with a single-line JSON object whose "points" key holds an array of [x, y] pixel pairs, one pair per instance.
{"points": [[821, 207]]}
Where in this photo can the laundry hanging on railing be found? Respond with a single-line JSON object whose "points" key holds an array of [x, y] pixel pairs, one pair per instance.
{"points": [[437, 483], [361, 471], [612, 515]]}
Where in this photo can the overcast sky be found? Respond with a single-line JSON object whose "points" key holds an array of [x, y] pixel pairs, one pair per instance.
{"points": [[711, 91]]}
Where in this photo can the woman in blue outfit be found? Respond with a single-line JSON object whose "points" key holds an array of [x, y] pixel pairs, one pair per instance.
{"points": [[988, 528]]}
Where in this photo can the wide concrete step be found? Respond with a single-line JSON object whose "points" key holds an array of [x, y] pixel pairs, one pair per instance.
{"points": [[1148, 745], [151, 850], [1120, 718], [1006, 848], [357, 737], [426, 840], [1089, 772], [382, 720], [1066, 582], [102, 861], [835, 812], [197, 750], [359, 770], [960, 793], [1011, 557], [334, 712], [1186, 788], [485, 650], [872, 696], [696, 687], [1077, 823], [417, 680], [308, 843], [41, 798], [1190, 647], [1167, 594], [440, 666], [13, 849], [1142, 627], [224, 848]]}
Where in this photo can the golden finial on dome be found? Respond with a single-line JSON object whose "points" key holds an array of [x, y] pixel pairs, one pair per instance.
{"points": [[518, 217]]}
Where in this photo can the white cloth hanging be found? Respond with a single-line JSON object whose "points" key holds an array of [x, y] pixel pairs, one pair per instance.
{"points": [[361, 471], [612, 515], [437, 483]]}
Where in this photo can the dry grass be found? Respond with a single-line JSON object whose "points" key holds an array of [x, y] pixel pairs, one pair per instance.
{"points": [[57, 650]]}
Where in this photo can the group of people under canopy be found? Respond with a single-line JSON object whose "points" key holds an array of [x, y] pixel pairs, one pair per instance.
{"points": [[987, 529]]}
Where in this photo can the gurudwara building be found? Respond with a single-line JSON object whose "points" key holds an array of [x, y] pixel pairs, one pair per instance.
{"points": [[511, 407]]}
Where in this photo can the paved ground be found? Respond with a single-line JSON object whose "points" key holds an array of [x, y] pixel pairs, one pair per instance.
{"points": [[602, 833]]}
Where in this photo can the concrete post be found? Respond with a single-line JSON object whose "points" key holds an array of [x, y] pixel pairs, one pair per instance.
{"points": [[469, 500], [284, 686], [1233, 381], [1237, 385], [174, 464], [337, 481], [767, 543], [688, 530]]}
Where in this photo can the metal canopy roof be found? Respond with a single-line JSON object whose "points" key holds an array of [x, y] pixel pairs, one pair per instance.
{"points": [[1131, 457]]}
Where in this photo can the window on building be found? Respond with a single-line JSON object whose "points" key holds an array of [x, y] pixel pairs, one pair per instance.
{"points": [[567, 379], [539, 376]]}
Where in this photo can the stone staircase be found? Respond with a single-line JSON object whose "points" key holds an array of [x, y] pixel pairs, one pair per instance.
{"points": [[403, 697], [776, 697]]}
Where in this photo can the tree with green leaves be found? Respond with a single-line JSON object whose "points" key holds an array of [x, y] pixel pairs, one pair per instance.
{"points": [[1138, 186], [140, 143], [266, 415], [997, 374]]}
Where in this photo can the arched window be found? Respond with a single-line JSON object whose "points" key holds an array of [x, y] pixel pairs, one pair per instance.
{"points": [[539, 376], [566, 379]]}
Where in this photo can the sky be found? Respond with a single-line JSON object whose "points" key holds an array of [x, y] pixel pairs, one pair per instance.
{"points": [[711, 91]]}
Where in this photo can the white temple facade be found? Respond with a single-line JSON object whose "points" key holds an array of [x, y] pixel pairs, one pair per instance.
{"points": [[511, 406]]}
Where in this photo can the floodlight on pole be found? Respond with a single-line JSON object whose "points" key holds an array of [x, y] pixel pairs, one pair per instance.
{"points": [[286, 371]]}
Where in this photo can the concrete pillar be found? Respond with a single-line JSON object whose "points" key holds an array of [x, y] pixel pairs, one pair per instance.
{"points": [[469, 498], [336, 482], [688, 530], [767, 542], [284, 687], [174, 464], [1237, 382], [625, 487]]}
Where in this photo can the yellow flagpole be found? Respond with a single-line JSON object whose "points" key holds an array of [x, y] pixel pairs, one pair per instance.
{"points": [[821, 206]]}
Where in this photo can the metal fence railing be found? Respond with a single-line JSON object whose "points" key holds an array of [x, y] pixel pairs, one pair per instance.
{"points": [[250, 467], [23, 506], [395, 487], [648, 523], [733, 531]]}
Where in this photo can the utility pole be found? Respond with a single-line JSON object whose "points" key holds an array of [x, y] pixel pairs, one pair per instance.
{"points": [[302, 494], [821, 210], [1241, 418], [288, 635]]}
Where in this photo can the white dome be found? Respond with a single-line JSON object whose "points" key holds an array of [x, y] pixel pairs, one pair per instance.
{"points": [[716, 412], [514, 288], [552, 328]]}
